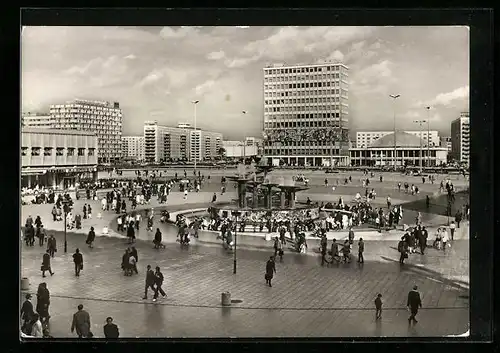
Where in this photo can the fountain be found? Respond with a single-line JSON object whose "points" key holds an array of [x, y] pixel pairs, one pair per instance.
{"points": [[260, 194]]}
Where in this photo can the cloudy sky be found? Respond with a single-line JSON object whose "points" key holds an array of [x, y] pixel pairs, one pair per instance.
{"points": [[155, 72]]}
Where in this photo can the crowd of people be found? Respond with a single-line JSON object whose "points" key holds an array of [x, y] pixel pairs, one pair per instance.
{"points": [[318, 220]]}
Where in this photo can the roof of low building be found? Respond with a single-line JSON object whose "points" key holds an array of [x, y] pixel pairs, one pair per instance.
{"points": [[35, 130], [403, 139]]}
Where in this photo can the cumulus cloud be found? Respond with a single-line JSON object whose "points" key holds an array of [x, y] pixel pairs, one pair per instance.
{"points": [[446, 99], [240, 62], [130, 57], [216, 55], [290, 41], [204, 87]]}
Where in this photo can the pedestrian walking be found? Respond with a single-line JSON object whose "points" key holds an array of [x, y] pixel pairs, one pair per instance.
{"points": [[323, 245], [445, 239], [27, 314], [452, 229], [270, 270], [46, 264], [43, 302], [110, 330], [41, 234], [78, 261], [37, 327], [414, 303], [159, 282], [378, 307], [133, 252], [361, 249], [150, 281], [90, 237], [52, 245], [81, 322]]}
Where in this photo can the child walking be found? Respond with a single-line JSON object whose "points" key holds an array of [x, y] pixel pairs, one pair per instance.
{"points": [[378, 307]]}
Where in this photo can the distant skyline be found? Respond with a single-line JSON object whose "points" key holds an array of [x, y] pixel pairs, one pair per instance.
{"points": [[155, 72]]}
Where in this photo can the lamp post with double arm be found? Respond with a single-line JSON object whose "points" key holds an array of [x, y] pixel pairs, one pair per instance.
{"points": [[235, 214], [394, 97]]}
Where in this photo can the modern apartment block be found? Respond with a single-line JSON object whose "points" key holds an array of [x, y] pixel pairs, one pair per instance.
{"points": [[249, 147], [165, 143], [460, 138], [366, 138], [306, 114], [133, 147], [103, 118], [36, 120], [446, 142]]}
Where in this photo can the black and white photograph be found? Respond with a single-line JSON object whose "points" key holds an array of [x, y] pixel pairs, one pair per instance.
{"points": [[244, 181]]}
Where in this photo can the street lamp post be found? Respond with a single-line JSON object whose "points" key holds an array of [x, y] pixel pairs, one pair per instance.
{"points": [[244, 144], [195, 103], [428, 135], [236, 214], [65, 207], [420, 122], [394, 97]]}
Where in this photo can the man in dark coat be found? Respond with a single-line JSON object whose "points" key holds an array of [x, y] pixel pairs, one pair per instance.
{"points": [[46, 264], [361, 249], [323, 246], [150, 281], [90, 237], [110, 329], [414, 302], [51, 245], [81, 322], [270, 270], [158, 282], [78, 261], [27, 314]]}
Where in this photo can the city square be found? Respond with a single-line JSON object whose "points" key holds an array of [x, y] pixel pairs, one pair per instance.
{"points": [[269, 217]]}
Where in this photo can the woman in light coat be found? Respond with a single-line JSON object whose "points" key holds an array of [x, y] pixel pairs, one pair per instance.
{"points": [[37, 329]]}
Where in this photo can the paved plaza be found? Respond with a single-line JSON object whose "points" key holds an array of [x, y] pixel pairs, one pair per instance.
{"points": [[305, 300]]}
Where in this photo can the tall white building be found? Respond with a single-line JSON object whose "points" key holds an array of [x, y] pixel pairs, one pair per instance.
{"points": [[165, 143], [103, 118], [133, 147], [306, 114], [460, 138], [366, 138], [249, 147], [35, 120]]}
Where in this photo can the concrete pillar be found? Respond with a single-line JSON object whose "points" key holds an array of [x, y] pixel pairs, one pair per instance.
{"points": [[282, 195], [29, 181], [269, 199], [255, 198], [292, 199]]}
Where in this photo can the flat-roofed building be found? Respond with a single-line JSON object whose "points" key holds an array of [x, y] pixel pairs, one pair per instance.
{"points": [[165, 143], [57, 158], [37, 120], [133, 147]]}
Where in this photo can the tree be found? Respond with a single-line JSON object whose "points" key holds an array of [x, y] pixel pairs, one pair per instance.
{"points": [[221, 152]]}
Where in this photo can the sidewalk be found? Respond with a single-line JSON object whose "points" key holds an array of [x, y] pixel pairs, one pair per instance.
{"points": [[306, 299]]}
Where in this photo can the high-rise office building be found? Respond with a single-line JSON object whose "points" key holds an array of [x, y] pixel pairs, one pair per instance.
{"points": [[446, 142], [306, 114], [460, 138], [165, 143], [36, 120], [103, 118], [366, 138], [133, 147]]}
